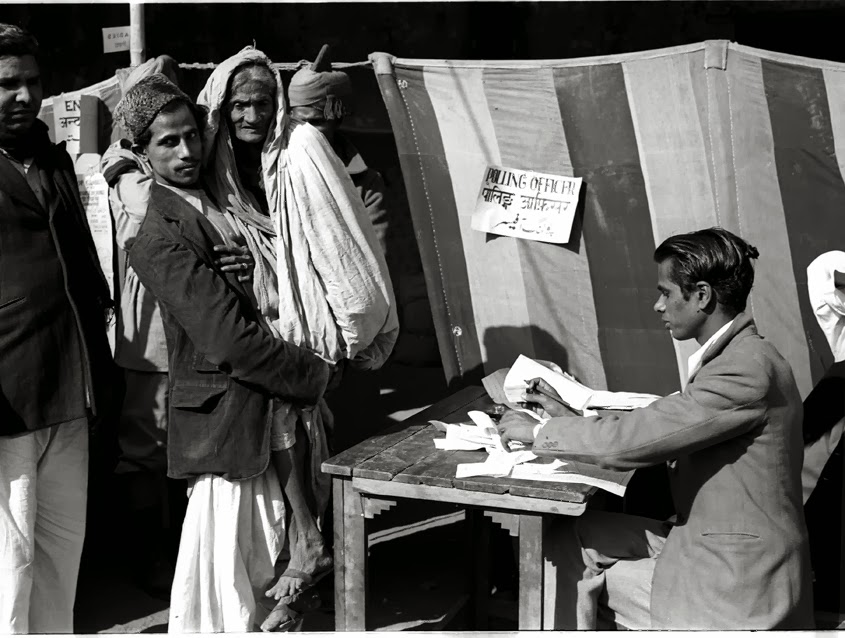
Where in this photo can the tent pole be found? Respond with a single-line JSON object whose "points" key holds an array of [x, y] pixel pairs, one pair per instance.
{"points": [[137, 45]]}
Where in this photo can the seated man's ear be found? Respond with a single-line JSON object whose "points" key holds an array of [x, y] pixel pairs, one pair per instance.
{"points": [[138, 149], [706, 296]]}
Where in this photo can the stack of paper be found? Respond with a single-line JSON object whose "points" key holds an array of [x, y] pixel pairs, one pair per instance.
{"points": [[574, 394]]}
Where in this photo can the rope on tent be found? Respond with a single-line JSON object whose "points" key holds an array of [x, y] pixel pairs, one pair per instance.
{"points": [[282, 66]]}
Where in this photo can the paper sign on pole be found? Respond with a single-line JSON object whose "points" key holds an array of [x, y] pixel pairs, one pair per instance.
{"points": [[75, 122], [526, 204], [116, 39], [94, 192]]}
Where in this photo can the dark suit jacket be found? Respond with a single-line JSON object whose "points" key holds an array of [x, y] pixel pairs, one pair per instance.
{"points": [[223, 365], [53, 299], [738, 557]]}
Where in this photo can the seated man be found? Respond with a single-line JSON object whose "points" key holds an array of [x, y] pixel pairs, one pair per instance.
{"points": [[737, 556]]}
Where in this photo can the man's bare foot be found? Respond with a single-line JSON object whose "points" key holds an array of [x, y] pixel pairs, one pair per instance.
{"points": [[309, 562]]}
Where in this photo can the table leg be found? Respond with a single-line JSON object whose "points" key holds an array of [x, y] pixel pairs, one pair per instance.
{"points": [[350, 557], [478, 539], [530, 571]]}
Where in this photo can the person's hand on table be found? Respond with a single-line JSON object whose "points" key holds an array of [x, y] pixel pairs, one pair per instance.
{"points": [[235, 259], [543, 394], [517, 426]]}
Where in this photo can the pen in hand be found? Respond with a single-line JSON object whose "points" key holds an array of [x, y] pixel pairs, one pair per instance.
{"points": [[533, 386]]}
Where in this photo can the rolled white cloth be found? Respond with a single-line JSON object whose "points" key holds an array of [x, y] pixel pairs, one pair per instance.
{"points": [[829, 307]]}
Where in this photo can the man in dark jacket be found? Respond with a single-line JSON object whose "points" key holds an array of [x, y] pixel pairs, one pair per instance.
{"points": [[55, 363], [224, 365]]}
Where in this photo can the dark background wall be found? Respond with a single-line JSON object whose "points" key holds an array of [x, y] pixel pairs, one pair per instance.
{"points": [[209, 32]]}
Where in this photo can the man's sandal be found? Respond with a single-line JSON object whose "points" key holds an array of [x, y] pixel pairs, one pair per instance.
{"points": [[308, 579], [287, 614]]}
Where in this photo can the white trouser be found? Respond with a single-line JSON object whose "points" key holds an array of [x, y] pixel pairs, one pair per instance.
{"points": [[43, 495]]}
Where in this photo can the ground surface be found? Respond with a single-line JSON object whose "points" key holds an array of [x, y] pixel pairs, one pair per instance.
{"points": [[417, 567], [417, 574]]}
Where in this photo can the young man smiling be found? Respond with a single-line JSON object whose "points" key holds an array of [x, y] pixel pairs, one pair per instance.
{"points": [[736, 555]]}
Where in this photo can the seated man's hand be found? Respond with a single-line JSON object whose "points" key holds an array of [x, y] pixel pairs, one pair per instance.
{"points": [[543, 394], [235, 259], [517, 426]]}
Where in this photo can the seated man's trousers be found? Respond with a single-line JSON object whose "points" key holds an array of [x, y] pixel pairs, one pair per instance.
{"points": [[599, 570]]}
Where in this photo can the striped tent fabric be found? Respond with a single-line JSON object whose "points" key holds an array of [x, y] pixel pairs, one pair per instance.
{"points": [[666, 141]]}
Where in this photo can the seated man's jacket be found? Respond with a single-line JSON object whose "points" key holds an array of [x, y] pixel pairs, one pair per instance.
{"points": [[738, 557], [53, 300], [223, 365]]}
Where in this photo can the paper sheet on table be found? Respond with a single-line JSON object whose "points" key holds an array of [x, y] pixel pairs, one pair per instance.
{"points": [[558, 471], [497, 464], [488, 427], [482, 434], [462, 437]]}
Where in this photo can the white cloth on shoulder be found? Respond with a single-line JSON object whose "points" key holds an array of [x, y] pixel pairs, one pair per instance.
{"points": [[333, 277], [828, 304], [827, 301]]}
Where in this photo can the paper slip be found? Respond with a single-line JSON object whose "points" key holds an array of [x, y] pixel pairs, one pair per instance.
{"points": [[485, 423], [439, 425], [467, 436], [463, 437], [559, 472], [497, 464]]}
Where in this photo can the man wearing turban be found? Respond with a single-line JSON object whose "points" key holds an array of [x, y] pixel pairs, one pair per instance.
{"points": [[322, 97]]}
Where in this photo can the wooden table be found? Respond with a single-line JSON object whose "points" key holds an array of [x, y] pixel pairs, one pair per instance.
{"points": [[402, 463]]}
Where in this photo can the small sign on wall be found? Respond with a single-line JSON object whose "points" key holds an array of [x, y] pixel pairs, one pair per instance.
{"points": [[526, 204], [115, 39]]}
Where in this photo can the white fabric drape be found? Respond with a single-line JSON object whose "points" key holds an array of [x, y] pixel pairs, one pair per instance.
{"points": [[829, 307]]}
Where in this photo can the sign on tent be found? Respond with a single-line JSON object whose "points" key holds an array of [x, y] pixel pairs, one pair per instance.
{"points": [[526, 204]]}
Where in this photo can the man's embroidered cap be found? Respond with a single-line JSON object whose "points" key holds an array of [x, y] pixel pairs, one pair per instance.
{"points": [[143, 101]]}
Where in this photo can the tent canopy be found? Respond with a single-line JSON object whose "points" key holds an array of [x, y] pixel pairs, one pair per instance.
{"points": [[667, 141]]}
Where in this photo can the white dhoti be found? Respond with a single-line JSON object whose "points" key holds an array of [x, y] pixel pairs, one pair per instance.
{"points": [[232, 536]]}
